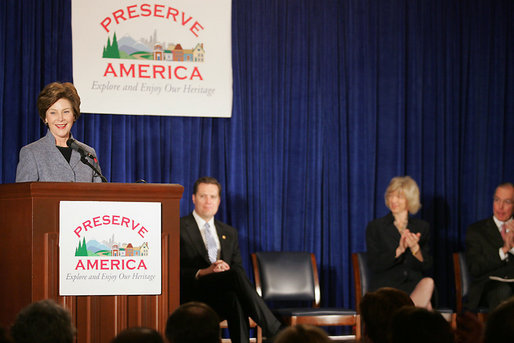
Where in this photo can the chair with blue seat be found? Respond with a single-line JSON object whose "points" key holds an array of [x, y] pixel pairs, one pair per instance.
{"points": [[293, 277]]}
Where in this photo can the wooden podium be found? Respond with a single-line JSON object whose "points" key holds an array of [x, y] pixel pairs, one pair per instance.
{"points": [[29, 256]]}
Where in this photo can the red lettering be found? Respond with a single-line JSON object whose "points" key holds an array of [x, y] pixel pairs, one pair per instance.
{"points": [[92, 264], [125, 221], [87, 224], [106, 219], [177, 76], [142, 231], [143, 70], [115, 220], [104, 265], [131, 11], [108, 264], [172, 12], [183, 17], [146, 10], [195, 28], [77, 230], [96, 221], [131, 70], [196, 73], [110, 70], [142, 265], [105, 23], [118, 15], [158, 11], [158, 69]]}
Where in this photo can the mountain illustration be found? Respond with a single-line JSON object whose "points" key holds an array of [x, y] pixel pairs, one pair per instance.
{"points": [[95, 246], [130, 45]]}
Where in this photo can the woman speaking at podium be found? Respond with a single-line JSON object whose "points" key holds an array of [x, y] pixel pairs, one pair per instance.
{"points": [[58, 157]]}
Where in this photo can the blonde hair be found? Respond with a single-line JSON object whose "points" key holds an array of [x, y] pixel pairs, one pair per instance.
{"points": [[409, 188]]}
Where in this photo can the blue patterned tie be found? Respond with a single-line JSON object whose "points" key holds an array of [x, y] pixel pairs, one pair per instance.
{"points": [[212, 247]]}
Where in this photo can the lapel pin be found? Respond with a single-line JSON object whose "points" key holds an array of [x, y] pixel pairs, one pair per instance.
{"points": [[224, 237]]}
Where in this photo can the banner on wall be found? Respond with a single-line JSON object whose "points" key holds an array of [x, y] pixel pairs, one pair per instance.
{"points": [[157, 57], [109, 248]]}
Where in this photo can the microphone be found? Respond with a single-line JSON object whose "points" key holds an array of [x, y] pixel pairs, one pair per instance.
{"points": [[75, 146], [83, 157]]}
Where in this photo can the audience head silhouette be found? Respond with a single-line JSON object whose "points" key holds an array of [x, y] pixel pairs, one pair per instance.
{"points": [[138, 335], [193, 322], [43, 322], [302, 334], [500, 323], [415, 324], [377, 309], [4, 337]]}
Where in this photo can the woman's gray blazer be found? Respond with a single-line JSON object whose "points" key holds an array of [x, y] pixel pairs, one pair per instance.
{"points": [[42, 161]]}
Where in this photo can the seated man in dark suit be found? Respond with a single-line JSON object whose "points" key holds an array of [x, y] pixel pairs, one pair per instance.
{"points": [[211, 269], [490, 252]]}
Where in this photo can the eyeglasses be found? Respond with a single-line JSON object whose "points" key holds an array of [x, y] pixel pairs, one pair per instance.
{"points": [[503, 202]]}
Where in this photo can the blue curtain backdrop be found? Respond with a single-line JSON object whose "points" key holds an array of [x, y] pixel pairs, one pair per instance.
{"points": [[331, 100]]}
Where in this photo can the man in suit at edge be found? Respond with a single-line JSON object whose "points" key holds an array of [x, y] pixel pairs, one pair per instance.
{"points": [[490, 252], [211, 269]]}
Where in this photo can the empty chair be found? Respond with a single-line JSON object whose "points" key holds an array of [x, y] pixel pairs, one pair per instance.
{"points": [[293, 276]]}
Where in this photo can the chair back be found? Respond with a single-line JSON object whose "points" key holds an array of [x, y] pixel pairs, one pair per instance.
{"points": [[462, 278], [286, 276], [361, 276]]}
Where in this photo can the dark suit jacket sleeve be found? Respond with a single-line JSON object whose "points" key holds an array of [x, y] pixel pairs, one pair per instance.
{"points": [[193, 255], [483, 242], [381, 246], [229, 242]]}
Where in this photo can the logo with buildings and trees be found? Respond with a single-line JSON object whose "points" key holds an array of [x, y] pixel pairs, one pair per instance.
{"points": [[110, 248], [151, 49]]}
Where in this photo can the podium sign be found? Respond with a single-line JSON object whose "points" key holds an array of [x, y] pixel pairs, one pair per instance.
{"points": [[109, 248], [30, 258]]}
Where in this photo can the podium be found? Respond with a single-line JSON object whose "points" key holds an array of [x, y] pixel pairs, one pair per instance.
{"points": [[29, 256]]}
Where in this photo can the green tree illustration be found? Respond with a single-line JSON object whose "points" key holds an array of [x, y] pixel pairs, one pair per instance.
{"points": [[82, 249], [111, 50]]}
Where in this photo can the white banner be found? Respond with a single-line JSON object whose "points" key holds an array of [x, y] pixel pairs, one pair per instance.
{"points": [[109, 248], [155, 57]]}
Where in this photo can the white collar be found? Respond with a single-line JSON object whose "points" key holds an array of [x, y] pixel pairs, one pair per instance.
{"points": [[499, 223], [201, 222]]}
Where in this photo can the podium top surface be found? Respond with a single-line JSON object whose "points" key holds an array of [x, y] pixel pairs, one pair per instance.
{"points": [[92, 191]]}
